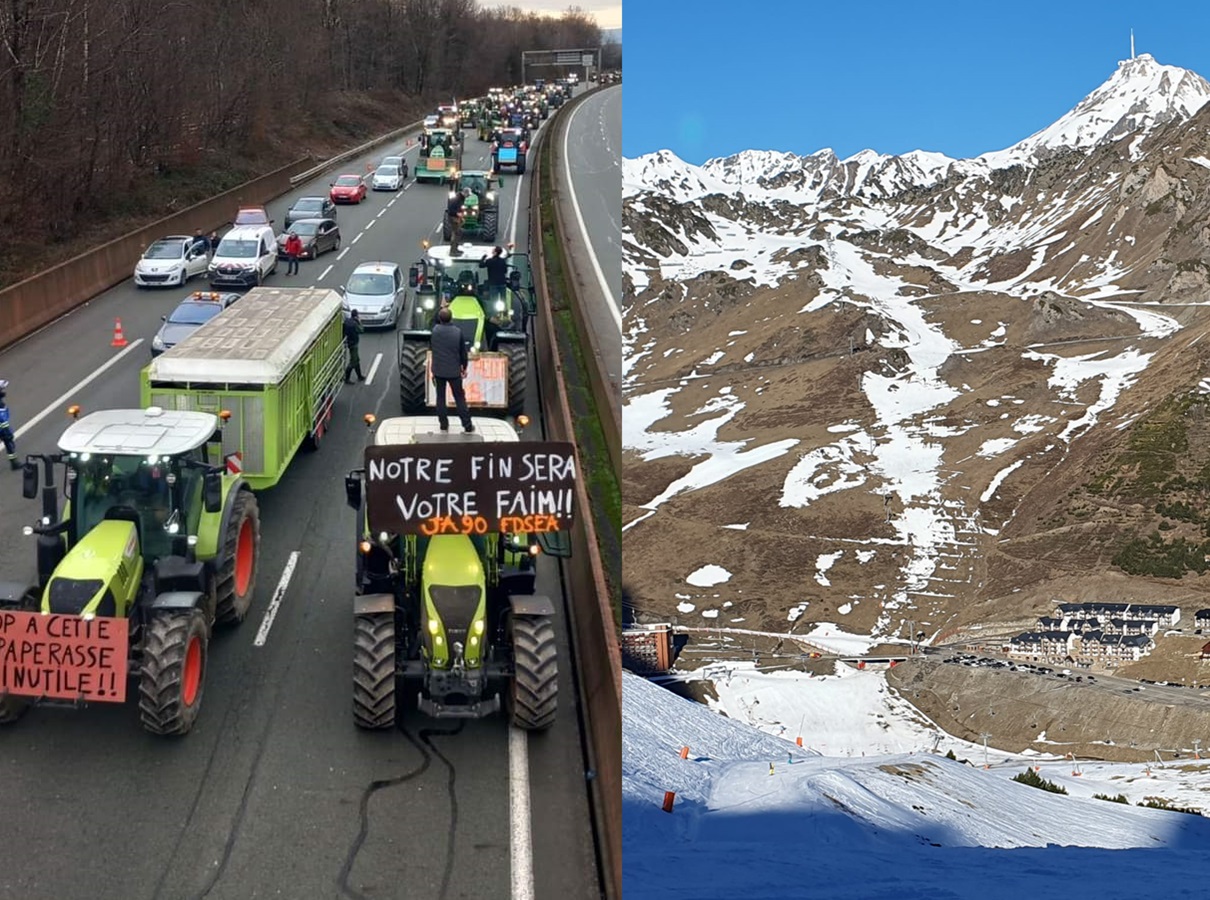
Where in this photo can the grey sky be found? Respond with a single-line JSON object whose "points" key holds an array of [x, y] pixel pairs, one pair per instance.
{"points": [[607, 13]]}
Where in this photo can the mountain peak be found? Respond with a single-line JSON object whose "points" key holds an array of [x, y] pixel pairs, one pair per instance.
{"points": [[1140, 96]]}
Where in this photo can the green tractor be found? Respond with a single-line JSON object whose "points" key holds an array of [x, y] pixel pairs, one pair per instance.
{"points": [[491, 121], [495, 325], [446, 621], [440, 156], [481, 211], [157, 542]]}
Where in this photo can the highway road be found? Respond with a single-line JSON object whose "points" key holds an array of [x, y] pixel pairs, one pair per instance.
{"points": [[276, 793], [592, 148]]}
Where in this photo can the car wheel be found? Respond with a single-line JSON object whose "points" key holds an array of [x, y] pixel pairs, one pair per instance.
{"points": [[181, 279], [336, 246]]}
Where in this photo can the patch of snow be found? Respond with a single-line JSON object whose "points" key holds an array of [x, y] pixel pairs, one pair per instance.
{"points": [[709, 576]]}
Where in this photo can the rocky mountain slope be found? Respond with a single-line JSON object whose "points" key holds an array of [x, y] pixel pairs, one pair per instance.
{"points": [[888, 389]]}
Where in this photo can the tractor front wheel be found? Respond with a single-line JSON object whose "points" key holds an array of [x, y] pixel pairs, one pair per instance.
{"points": [[413, 369], [374, 670], [13, 708], [518, 377], [487, 226], [534, 698], [241, 548], [173, 679]]}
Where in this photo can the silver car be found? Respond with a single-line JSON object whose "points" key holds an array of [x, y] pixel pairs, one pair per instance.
{"points": [[375, 290]]}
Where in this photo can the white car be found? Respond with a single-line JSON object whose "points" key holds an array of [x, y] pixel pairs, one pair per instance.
{"points": [[170, 262], [387, 178], [431, 121], [398, 162]]}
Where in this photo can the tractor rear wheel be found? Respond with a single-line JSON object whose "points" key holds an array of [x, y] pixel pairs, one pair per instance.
{"points": [[518, 377], [487, 225], [446, 231], [174, 671], [241, 546], [13, 708], [374, 670], [413, 366], [534, 698], [521, 165]]}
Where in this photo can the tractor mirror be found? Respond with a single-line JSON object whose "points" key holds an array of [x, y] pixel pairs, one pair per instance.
{"points": [[413, 276], [353, 491], [212, 492], [29, 480], [555, 543], [514, 280]]}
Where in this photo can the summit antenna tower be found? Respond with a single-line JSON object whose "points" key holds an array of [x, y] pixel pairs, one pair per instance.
{"points": [[1132, 43]]}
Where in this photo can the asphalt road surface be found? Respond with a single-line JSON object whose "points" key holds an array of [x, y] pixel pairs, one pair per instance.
{"points": [[275, 793], [593, 154]]}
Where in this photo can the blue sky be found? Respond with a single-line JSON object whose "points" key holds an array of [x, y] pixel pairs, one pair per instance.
{"points": [[707, 78]]}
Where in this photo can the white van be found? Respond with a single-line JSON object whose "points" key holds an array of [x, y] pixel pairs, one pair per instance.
{"points": [[245, 257]]}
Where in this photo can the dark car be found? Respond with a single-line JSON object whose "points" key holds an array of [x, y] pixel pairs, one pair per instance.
{"points": [[318, 236], [310, 208], [194, 311]]}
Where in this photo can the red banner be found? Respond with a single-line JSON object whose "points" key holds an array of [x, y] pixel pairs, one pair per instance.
{"points": [[61, 657]]}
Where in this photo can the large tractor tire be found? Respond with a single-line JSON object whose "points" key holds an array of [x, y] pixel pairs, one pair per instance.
{"points": [[241, 544], [412, 372], [518, 377], [13, 708], [173, 679], [488, 225], [521, 165], [446, 230], [374, 670], [534, 698]]}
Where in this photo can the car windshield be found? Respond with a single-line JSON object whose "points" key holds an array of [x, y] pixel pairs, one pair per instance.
{"points": [[164, 250], [371, 283], [195, 312], [395, 161], [310, 203], [234, 248], [348, 181], [387, 171], [304, 229]]}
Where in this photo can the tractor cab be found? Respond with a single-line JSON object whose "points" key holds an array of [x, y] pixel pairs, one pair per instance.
{"points": [[440, 155], [458, 282]]}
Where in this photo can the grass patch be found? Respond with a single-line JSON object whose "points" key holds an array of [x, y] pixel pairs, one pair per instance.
{"points": [[600, 479]]}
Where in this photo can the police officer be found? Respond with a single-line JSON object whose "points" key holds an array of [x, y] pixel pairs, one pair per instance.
{"points": [[353, 329], [6, 428]]}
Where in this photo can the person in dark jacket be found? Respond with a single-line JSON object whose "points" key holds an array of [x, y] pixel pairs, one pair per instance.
{"points": [[497, 276], [450, 359], [353, 329], [6, 428]]}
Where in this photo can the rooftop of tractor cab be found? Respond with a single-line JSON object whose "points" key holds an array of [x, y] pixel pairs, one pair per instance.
{"points": [[427, 430], [138, 432]]}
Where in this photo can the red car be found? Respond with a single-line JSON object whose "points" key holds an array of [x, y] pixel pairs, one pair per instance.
{"points": [[348, 189]]}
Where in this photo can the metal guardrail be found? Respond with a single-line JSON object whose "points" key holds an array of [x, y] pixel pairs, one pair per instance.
{"points": [[597, 650], [356, 151]]}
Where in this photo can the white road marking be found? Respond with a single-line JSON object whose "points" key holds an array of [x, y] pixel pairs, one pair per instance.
{"points": [[368, 227], [512, 226], [341, 254], [382, 212], [373, 369], [392, 201], [575, 205], [521, 843], [75, 389], [358, 238], [437, 228], [275, 601], [324, 273]]}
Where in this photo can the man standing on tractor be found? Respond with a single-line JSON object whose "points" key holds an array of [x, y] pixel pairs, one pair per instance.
{"points": [[497, 275], [6, 428], [450, 360], [454, 209]]}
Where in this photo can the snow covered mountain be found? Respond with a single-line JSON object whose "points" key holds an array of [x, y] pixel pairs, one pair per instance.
{"points": [[755, 816], [878, 389]]}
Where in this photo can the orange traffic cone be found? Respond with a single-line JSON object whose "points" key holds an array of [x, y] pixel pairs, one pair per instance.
{"points": [[119, 339]]}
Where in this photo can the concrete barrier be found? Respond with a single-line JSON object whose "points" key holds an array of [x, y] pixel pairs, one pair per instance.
{"points": [[597, 649], [37, 301]]}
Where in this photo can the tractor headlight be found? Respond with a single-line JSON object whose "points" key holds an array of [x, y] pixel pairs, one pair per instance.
{"points": [[433, 626], [478, 626], [383, 537], [429, 303], [499, 306]]}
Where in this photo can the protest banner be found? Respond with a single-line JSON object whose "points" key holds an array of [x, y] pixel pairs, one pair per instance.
{"points": [[63, 657]]}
